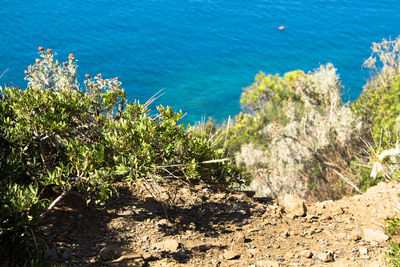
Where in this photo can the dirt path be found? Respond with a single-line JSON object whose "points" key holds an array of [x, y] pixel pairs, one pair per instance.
{"points": [[209, 228]]}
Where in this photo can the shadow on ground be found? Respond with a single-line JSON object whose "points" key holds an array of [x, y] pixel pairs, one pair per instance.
{"points": [[75, 234]]}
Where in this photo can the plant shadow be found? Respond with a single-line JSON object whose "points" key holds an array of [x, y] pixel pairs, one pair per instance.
{"points": [[76, 234]]}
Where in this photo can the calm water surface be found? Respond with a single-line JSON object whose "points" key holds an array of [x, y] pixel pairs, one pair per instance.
{"points": [[202, 53]]}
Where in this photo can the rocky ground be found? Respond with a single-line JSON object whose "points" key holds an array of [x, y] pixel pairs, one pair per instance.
{"points": [[213, 228]]}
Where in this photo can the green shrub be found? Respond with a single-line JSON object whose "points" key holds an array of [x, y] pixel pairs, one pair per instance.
{"points": [[378, 104], [57, 137], [270, 89], [393, 253], [263, 102], [308, 137]]}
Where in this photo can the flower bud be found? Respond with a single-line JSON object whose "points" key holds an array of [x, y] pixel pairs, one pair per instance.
{"points": [[37, 61], [87, 76], [65, 64], [49, 51], [71, 57], [40, 49]]}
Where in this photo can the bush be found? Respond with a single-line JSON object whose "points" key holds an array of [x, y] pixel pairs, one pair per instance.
{"points": [[308, 145], [57, 137], [378, 105], [393, 253]]}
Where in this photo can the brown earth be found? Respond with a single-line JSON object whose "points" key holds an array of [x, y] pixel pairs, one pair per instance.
{"points": [[213, 228]]}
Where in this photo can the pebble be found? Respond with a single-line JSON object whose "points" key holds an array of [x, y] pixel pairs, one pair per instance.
{"points": [[168, 244], [231, 255], [306, 254], [267, 263], [375, 235], [294, 205], [363, 251], [325, 256]]}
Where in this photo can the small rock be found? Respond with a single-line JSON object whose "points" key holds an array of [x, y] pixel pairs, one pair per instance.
{"points": [[289, 255], [267, 264], [180, 256], [285, 234], [231, 255], [253, 251], [335, 211], [306, 254], [168, 244], [50, 254], [326, 256], [67, 253], [355, 237], [375, 235], [162, 222], [131, 259], [109, 253], [363, 251], [294, 205], [239, 237], [324, 204]]}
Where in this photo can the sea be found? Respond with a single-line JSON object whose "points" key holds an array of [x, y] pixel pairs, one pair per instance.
{"points": [[200, 53]]}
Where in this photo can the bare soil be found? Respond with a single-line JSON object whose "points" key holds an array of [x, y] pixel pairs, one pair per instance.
{"points": [[213, 228]]}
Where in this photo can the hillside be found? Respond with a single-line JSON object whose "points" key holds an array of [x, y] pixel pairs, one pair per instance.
{"points": [[213, 228]]}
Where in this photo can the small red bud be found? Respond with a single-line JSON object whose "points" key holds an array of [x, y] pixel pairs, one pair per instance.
{"points": [[40, 48], [49, 51], [87, 76], [37, 61], [71, 57], [64, 64]]}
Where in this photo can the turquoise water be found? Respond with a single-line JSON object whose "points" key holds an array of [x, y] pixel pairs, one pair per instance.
{"points": [[201, 53]]}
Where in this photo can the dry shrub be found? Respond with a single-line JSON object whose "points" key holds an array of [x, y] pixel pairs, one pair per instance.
{"points": [[305, 154]]}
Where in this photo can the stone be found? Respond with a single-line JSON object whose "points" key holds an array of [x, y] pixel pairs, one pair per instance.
{"points": [[180, 256], [50, 254], [355, 237], [231, 255], [363, 251], [285, 234], [306, 254], [294, 206], [162, 222], [168, 244], [267, 264], [289, 255], [253, 251], [131, 259], [377, 235], [239, 237], [67, 253], [109, 253], [325, 256]]}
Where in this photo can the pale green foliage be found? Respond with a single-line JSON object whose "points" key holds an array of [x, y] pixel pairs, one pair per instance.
{"points": [[269, 88], [318, 130]]}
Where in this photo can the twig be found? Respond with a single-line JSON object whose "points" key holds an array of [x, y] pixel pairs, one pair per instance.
{"points": [[54, 203], [63, 194], [348, 181], [204, 162]]}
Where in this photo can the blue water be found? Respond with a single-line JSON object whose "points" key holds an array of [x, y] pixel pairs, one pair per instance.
{"points": [[202, 53]]}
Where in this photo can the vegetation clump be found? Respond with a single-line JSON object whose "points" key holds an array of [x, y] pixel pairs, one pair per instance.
{"points": [[57, 136]]}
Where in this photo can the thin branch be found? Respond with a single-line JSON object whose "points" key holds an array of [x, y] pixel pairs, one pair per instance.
{"points": [[49, 208], [348, 181]]}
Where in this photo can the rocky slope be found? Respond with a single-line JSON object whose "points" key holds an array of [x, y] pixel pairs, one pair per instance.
{"points": [[213, 228]]}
